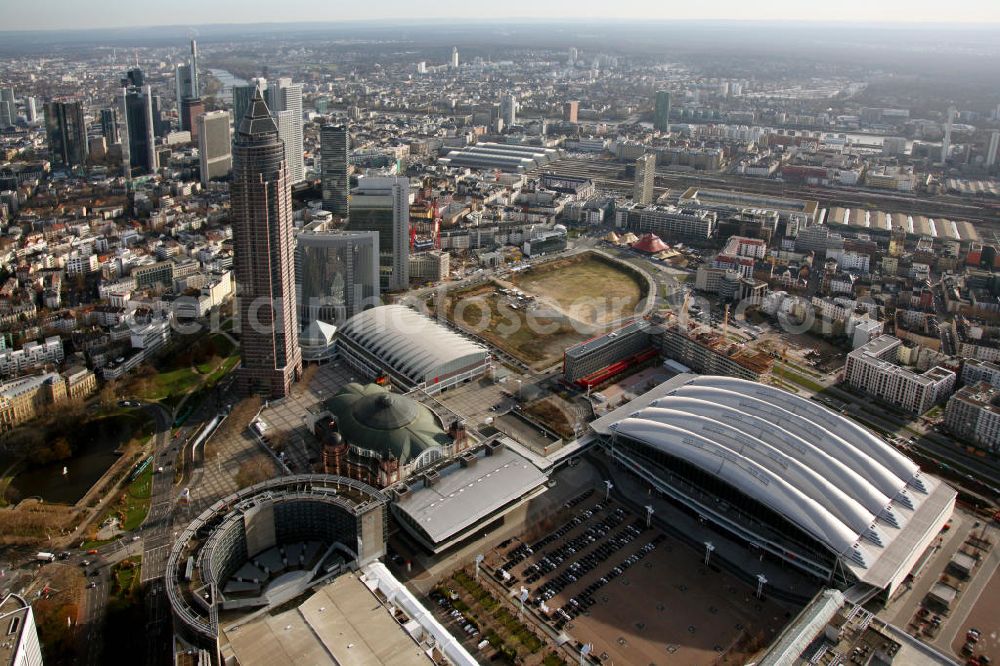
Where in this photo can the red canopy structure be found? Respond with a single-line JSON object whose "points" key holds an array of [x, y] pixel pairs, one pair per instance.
{"points": [[650, 244]]}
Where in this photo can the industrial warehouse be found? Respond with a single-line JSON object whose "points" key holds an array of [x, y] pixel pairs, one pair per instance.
{"points": [[782, 474]]}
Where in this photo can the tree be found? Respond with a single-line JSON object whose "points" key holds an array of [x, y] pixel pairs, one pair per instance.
{"points": [[257, 469]]}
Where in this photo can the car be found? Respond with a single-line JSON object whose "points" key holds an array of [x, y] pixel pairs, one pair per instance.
{"points": [[85, 563], [92, 551], [91, 585], [95, 572], [136, 537]]}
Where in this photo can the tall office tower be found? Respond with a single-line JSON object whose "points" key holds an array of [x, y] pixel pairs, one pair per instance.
{"points": [[454, 57], [214, 145], [382, 204], [645, 174], [138, 124], [195, 85], [21, 646], [242, 96], [334, 146], [109, 125], [570, 111], [66, 129], [261, 215], [182, 84], [991, 152], [508, 110], [285, 101], [6, 114], [661, 113], [31, 110], [8, 107], [336, 275], [573, 55], [946, 142], [191, 108]]}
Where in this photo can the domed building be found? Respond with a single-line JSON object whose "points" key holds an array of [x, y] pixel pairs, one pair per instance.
{"points": [[380, 437]]}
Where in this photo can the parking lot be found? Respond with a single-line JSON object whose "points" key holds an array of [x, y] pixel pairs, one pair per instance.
{"points": [[597, 573]]}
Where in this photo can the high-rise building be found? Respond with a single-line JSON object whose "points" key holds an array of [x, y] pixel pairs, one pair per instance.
{"points": [[139, 124], [991, 152], [214, 145], [508, 110], [335, 146], [382, 204], [946, 142], [336, 275], [109, 125], [285, 101], [195, 85], [645, 175], [573, 56], [21, 646], [242, 96], [182, 83], [570, 111], [454, 57], [661, 113], [191, 108], [261, 201], [31, 110], [8, 107], [66, 129]]}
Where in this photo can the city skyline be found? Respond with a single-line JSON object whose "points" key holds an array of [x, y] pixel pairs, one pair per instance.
{"points": [[63, 15]]}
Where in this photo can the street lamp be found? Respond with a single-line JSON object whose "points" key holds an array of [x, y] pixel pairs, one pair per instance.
{"points": [[607, 489], [761, 582], [522, 597], [584, 651], [709, 548], [479, 559], [649, 515]]}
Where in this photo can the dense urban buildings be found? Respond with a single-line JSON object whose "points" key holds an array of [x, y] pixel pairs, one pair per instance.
{"points": [[265, 260]]}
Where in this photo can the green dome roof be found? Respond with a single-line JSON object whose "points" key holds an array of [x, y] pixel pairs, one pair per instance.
{"points": [[387, 424]]}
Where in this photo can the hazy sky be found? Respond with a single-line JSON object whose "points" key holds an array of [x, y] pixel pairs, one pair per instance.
{"points": [[43, 14]]}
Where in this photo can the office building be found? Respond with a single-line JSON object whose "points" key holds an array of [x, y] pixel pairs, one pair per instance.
{"points": [[599, 359], [993, 149], [191, 108], [454, 57], [661, 112], [873, 369], [670, 223], [195, 84], [973, 415], [182, 84], [242, 96], [66, 130], [264, 248], [784, 475], [335, 145], [645, 176], [20, 646], [285, 101], [946, 141], [139, 150], [336, 275], [570, 111], [214, 145], [109, 125], [31, 110], [508, 110], [382, 204], [8, 108]]}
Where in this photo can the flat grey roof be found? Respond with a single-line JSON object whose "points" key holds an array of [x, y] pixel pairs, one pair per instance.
{"points": [[464, 495], [342, 624]]}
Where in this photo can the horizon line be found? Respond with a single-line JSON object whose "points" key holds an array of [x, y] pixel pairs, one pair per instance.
{"points": [[393, 21]]}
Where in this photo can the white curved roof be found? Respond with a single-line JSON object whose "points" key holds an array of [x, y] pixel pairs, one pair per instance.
{"points": [[410, 343], [829, 477]]}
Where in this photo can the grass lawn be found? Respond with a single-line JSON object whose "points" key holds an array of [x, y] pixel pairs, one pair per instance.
{"points": [[126, 578], [796, 378], [134, 506]]}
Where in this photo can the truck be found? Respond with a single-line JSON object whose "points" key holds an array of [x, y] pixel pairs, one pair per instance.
{"points": [[45, 557]]}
